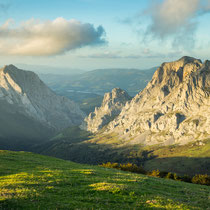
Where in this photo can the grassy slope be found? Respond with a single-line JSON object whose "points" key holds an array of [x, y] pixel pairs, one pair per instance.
{"points": [[79, 146], [31, 181], [189, 159]]}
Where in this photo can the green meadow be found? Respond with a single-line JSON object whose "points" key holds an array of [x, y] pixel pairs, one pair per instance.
{"points": [[31, 181]]}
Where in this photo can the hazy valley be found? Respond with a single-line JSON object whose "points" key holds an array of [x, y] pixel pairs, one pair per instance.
{"points": [[165, 127], [104, 105], [170, 112]]}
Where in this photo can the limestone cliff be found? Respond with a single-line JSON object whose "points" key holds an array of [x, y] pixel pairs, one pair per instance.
{"points": [[173, 108], [112, 105]]}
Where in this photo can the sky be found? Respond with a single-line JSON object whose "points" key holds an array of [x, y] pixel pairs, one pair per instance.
{"points": [[98, 34]]}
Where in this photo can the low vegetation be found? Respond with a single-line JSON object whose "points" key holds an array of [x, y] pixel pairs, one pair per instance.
{"points": [[79, 146], [31, 181], [202, 179]]}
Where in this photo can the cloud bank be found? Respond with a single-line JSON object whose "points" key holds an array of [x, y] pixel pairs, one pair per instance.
{"points": [[48, 38], [175, 19]]}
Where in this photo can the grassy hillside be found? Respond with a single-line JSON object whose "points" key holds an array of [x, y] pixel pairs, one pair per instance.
{"points": [[80, 146], [30, 181], [189, 159]]}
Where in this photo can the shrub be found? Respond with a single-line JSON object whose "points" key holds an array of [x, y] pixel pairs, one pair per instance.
{"points": [[155, 173], [177, 178], [110, 165], [132, 168], [203, 179], [125, 167], [169, 175], [197, 179]]}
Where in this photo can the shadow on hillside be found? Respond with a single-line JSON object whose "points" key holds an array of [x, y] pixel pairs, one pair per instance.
{"points": [[180, 165], [91, 153], [20, 144]]}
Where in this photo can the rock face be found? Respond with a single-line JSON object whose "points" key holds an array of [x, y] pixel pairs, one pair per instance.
{"points": [[30, 97], [112, 105], [173, 108]]}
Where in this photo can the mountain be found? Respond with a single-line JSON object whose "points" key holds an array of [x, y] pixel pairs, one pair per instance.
{"points": [[31, 181], [29, 109], [112, 105], [100, 81], [87, 89], [174, 108], [177, 90]]}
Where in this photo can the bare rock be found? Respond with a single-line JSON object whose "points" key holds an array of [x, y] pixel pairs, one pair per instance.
{"points": [[32, 98], [173, 108], [111, 107]]}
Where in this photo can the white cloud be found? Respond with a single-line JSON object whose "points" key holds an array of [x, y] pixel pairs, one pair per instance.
{"points": [[171, 16], [176, 19], [48, 38]]}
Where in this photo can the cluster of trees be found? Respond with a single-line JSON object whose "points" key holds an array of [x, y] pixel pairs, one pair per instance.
{"points": [[203, 179]]}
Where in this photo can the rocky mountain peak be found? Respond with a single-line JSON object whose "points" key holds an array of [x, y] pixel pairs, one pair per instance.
{"points": [[112, 105], [173, 108], [174, 73], [31, 97], [116, 97]]}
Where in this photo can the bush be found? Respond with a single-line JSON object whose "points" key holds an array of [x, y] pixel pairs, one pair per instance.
{"points": [[177, 178], [125, 167], [197, 179], [132, 168], [155, 173], [203, 179], [110, 165]]}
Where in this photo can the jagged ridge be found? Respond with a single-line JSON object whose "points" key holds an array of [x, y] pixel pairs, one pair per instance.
{"points": [[173, 108], [31, 97], [112, 105]]}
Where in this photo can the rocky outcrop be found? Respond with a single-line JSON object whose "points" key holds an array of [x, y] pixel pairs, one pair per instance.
{"points": [[173, 108], [111, 107], [30, 97]]}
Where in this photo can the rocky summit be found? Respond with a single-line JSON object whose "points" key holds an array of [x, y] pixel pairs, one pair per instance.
{"points": [[111, 107], [174, 108], [28, 96]]}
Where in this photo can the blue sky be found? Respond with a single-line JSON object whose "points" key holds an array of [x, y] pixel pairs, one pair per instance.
{"points": [[90, 34]]}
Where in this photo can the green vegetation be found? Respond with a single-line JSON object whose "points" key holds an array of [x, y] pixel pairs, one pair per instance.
{"points": [[190, 159], [79, 146], [203, 179], [125, 167], [30, 181]]}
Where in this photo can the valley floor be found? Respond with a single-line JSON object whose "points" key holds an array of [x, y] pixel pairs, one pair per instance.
{"points": [[31, 181]]}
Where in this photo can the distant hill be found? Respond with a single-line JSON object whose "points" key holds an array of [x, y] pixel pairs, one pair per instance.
{"points": [[87, 89], [100, 81], [31, 181]]}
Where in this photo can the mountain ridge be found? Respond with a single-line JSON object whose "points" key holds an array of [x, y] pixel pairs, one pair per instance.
{"points": [[25, 98], [173, 108]]}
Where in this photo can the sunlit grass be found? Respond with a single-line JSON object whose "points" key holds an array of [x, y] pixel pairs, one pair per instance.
{"points": [[30, 181]]}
